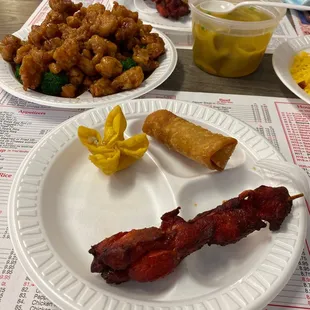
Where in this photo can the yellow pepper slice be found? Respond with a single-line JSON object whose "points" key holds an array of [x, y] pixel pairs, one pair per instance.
{"points": [[113, 153]]}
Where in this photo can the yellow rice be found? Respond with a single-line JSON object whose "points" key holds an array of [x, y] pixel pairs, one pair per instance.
{"points": [[300, 70]]}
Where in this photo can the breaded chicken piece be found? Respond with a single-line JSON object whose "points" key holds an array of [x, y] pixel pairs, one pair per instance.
{"points": [[102, 87], [9, 46], [39, 34], [76, 76], [92, 12], [105, 24], [65, 6], [30, 72], [130, 79], [67, 55], [100, 47], [87, 66], [52, 44], [33, 65], [128, 28], [68, 91], [121, 11], [109, 67], [22, 52], [142, 58], [54, 17]]}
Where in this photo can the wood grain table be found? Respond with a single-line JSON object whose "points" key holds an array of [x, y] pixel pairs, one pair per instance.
{"points": [[186, 77]]}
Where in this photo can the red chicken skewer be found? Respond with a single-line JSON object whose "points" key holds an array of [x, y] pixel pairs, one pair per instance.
{"points": [[172, 8], [148, 254]]}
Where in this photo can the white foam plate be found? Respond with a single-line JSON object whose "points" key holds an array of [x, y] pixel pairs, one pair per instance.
{"points": [[60, 205], [148, 14], [282, 61], [10, 84]]}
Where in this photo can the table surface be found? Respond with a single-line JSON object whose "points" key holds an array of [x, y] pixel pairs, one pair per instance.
{"points": [[186, 77]]}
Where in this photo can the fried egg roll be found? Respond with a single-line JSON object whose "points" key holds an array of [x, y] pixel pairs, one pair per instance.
{"points": [[210, 149]]}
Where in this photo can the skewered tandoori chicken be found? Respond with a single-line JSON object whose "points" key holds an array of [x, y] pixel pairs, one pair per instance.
{"points": [[148, 254], [172, 8]]}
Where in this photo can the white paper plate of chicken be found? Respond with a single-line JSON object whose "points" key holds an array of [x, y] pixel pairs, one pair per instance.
{"points": [[83, 57], [162, 14]]}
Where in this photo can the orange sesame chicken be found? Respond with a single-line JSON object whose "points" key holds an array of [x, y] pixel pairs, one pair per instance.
{"points": [[90, 48]]}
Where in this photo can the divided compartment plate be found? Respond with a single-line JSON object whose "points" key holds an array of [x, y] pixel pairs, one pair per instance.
{"points": [[60, 204]]}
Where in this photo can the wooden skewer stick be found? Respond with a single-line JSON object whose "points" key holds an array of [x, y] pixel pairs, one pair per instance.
{"points": [[295, 197], [291, 198]]}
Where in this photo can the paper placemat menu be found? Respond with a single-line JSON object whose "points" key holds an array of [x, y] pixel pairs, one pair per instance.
{"points": [[284, 122], [301, 20]]}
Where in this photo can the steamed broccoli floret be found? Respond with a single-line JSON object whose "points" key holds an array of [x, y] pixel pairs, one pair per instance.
{"points": [[51, 83], [128, 63], [17, 74]]}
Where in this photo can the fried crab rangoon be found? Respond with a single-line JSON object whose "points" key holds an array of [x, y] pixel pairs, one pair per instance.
{"points": [[113, 153], [91, 45]]}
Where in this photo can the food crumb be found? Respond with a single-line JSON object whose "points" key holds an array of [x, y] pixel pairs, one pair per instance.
{"points": [[195, 204]]}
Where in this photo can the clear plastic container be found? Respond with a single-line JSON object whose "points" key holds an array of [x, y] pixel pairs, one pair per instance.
{"points": [[231, 48]]}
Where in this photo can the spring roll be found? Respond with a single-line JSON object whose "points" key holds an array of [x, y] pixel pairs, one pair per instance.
{"points": [[210, 149]]}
